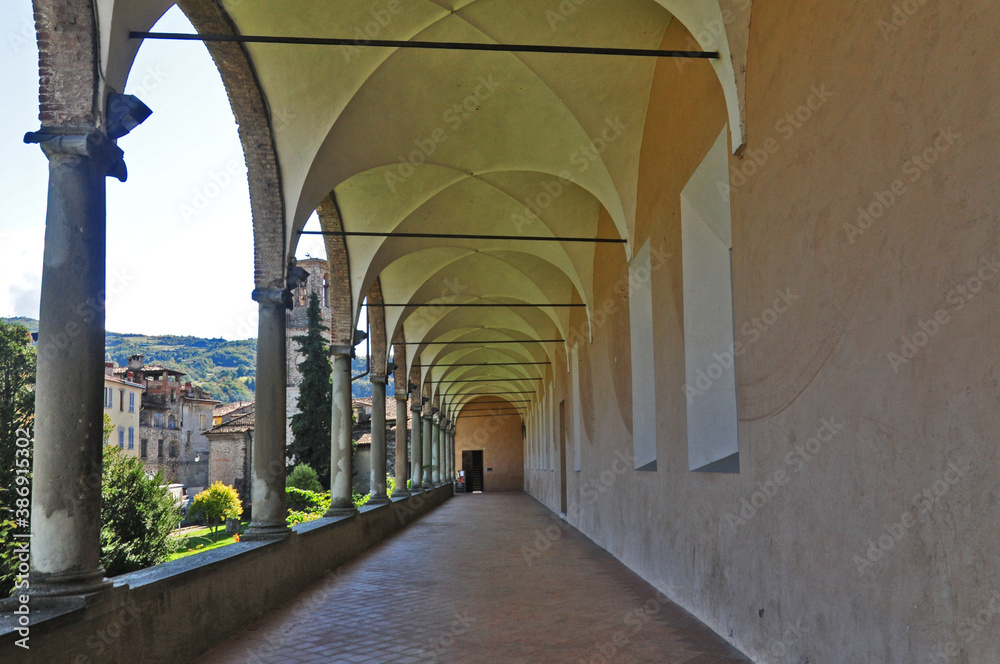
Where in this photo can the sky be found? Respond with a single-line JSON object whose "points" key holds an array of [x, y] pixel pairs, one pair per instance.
{"points": [[180, 239]]}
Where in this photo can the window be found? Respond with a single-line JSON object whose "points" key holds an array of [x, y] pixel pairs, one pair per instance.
{"points": [[144, 448], [203, 421], [640, 307], [158, 420], [131, 438], [108, 396], [121, 437], [131, 402], [159, 448], [577, 407], [709, 350], [173, 449], [173, 396], [121, 401], [326, 291], [172, 422]]}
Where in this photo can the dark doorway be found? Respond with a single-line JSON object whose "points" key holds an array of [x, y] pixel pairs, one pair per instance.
{"points": [[472, 464], [562, 456]]}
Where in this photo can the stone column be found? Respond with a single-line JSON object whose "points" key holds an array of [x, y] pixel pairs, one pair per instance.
{"points": [[416, 445], [428, 445], [436, 449], [401, 410], [68, 436], [378, 483], [267, 487], [445, 429], [341, 446], [451, 456]]}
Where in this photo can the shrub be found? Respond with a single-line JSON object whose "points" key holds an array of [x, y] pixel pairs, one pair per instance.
{"points": [[305, 478], [311, 502], [217, 503], [137, 515]]}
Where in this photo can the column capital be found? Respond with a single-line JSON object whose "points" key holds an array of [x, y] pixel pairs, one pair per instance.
{"points": [[401, 397], [87, 142], [341, 350], [380, 380], [273, 296]]}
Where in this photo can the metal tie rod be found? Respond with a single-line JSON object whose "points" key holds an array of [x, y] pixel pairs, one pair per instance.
{"points": [[447, 46], [483, 341], [463, 236], [484, 380], [490, 364], [476, 304]]}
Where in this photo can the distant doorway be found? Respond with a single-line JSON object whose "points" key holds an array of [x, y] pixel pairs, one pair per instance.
{"points": [[472, 464], [562, 457]]}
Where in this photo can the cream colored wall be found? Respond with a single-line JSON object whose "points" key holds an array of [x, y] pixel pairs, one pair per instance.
{"points": [[838, 438], [122, 417], [499, 437]]}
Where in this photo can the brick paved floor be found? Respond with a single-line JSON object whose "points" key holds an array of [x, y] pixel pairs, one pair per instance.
{"points": [[455, 587]]}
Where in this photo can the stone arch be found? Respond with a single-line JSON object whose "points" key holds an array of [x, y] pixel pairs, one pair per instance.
{"points": [[68, 63], [256, 132], [338, 275], [377, 336]]}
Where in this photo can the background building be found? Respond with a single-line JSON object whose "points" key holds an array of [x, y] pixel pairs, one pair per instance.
{"points": [[122, 403]]}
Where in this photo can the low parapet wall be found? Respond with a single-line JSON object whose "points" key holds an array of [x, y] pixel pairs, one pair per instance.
{"points": [[173, 612]]}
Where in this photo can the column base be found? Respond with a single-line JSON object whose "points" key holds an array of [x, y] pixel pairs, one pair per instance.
{"points": [[337, 511], [401, 493], [428, 486], [70, 583], [378, 500], [258, 532]]}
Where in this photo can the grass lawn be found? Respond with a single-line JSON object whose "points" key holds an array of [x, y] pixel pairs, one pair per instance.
{"points": [[196, 541]]}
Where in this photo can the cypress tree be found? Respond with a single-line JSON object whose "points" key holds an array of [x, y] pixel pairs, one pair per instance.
{"points": [[311, 425]]}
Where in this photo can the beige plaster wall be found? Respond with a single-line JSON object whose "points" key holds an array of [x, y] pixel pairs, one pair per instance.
{"points": [[839, 440], [500, 439]]}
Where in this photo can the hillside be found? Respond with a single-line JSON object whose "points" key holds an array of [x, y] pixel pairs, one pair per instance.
{"points": [[227, 369]]}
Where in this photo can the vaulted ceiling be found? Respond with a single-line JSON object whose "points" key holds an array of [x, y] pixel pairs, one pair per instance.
{"points": [[470, 142]]}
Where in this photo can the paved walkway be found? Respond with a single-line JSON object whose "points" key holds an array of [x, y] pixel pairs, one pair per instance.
{"points": [[456, 586]]}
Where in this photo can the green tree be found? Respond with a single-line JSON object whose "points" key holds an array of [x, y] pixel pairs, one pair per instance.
{"points": [[217, 503], [137, 515], [311, 425], [17, 399], [305, 478], [109, 428], [17, 410]]}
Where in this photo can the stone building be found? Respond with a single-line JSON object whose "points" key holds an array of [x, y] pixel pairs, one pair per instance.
{"points": [[297, 324], [230, 445], [122, 403], [172, 422]]}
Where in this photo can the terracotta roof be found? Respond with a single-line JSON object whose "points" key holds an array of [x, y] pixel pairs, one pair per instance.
{"points": [[240, 424], [390, 407], [149, 368], [121, 381], [366, 439], [230, 407]]}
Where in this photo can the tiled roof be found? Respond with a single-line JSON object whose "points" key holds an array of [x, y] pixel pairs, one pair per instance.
{"points": [[149, 369], [121, 381], [230, 407], [366, 439], [240, 424]]}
